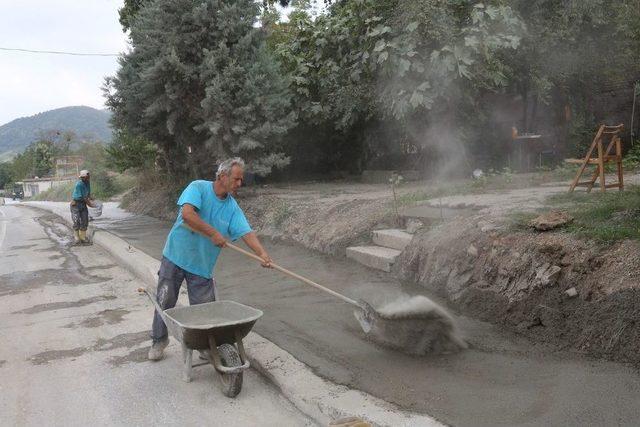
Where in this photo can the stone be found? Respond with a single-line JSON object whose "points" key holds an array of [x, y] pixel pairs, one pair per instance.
{"points": [[489, 227], [392, 238], [374, 256], [571, 292], [551, 220], [413, 225], [548, 274], [472, 251]]}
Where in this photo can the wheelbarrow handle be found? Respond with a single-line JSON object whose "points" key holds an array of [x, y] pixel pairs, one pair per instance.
{"points": [[285, 271]]}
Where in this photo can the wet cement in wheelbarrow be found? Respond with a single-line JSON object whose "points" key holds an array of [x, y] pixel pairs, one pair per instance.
{"points": [[500, 380], [224, 313]]}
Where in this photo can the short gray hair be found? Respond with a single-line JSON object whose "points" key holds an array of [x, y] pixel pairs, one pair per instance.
{"points": [[225, 167]]}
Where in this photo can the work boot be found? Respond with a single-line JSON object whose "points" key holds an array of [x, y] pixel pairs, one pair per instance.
{"points": [[76, 237], [83, 237], [157, 349]]}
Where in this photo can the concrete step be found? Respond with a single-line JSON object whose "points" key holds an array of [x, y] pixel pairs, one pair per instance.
{"points": [[429, 214], [392, 238], [374, 256]]}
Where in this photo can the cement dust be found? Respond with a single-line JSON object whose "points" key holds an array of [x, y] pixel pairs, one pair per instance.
{"points": [[414, 325]]}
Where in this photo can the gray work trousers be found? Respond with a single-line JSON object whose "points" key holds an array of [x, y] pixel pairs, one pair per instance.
{"points": [[80, 215], [170, 278]]}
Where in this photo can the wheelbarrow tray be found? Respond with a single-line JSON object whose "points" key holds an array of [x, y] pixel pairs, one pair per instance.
{"points": [[226, 321]]}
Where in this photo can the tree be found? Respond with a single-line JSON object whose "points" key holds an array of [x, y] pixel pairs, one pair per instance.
{"points": [[22, 165], [130, 152], [5, 174], [43, 154], [570, 52], [200, 85], [128, 12], [399, 68]]}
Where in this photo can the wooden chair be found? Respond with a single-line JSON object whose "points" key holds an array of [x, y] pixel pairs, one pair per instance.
{"points": [[603, 157]]}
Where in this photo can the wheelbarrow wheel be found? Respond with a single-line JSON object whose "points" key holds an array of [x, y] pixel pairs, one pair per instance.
{"points": [[231, 383]]}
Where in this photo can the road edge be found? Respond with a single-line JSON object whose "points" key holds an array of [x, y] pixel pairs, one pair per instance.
{"points": [[316, 397]]}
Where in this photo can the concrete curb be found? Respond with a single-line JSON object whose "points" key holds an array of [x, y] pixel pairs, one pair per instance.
{"points": [[318, 398]]}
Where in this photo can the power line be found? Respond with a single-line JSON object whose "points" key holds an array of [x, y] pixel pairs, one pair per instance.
{"points": [[56, 52]]}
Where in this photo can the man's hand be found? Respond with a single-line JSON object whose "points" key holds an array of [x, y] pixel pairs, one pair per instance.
{"points": [[218, 240], [266, 260], [252, 241]]}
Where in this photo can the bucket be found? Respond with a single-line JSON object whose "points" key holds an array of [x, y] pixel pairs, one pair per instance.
{"points": [[96, 211]]}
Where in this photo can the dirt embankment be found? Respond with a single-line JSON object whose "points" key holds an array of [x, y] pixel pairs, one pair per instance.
{"points": [[550, 287], [319, 218], [329, 227]]}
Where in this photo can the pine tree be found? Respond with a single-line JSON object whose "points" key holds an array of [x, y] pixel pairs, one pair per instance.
{"points": [[199, 84]]}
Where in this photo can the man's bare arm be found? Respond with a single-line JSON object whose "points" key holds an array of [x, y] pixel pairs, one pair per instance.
{"points": [[193, 220], [251, 239]]}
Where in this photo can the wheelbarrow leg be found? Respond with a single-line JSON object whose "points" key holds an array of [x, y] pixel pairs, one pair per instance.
{"points": [[213, 351], [240, 345], [187, 356]]}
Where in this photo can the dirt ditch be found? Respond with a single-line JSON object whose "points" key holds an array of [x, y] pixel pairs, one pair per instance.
{"points": [[551, 287]]}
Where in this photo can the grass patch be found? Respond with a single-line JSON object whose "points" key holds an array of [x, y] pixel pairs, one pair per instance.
{"points": [[519, 221], [607, 217], [60, 193]]}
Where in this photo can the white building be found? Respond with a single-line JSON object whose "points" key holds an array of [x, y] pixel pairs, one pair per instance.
{"points": [[35, 186]]}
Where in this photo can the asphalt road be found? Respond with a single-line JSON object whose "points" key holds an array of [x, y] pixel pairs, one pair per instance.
{"points": [[74, 339]]}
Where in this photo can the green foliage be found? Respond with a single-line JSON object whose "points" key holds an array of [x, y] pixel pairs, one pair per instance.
{"points": [[370, 82], [631, 160], [520, 221], [200, 85], [6, 176], [22, 164], [130, 152], [127, 13], [43, 154], [371, 79], [60, 193]]}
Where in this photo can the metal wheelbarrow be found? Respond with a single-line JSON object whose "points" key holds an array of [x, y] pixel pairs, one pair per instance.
{"points": [[216, 329]]}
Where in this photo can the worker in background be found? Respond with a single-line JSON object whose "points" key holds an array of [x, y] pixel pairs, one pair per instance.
{"points": [[80, 199]]}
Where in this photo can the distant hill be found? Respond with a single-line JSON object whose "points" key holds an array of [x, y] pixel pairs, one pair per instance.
{"points": [[86, 122]]}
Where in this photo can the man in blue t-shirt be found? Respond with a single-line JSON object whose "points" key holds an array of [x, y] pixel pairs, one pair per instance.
{"points": [[80, 199], [207, 209]]}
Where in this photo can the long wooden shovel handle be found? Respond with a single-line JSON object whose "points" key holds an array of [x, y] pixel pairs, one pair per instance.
{"points": [[285, 271], [294, 275]]}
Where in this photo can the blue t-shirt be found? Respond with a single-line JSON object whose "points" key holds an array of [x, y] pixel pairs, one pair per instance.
{"points": [[192, 251], [81, 191]]}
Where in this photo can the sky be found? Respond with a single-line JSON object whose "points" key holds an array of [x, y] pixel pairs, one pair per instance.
{"points": [[32, 83]]}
